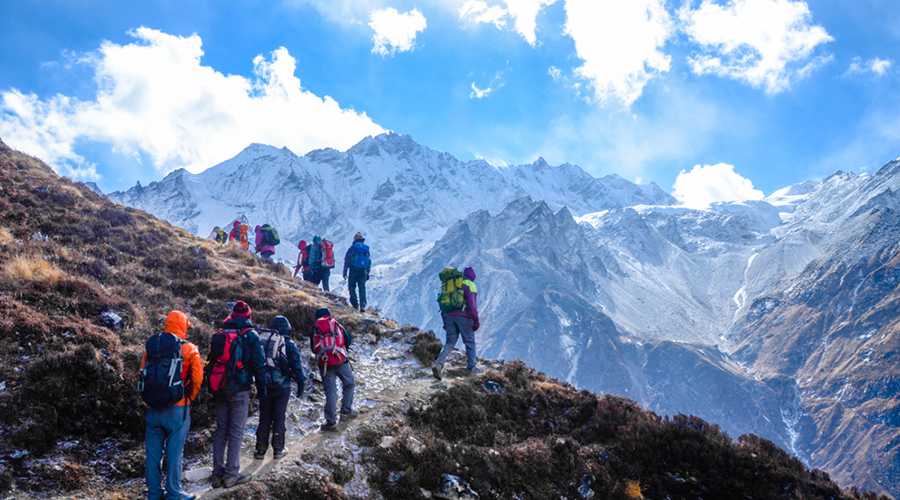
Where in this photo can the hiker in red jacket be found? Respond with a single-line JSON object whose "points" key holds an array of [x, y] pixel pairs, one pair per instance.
{"points": [[303, 261]]}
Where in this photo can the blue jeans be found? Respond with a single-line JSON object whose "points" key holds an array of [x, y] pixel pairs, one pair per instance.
{"points": [[166, 428], [329, 383], [457, 326], [357, 278], [231, 419]]}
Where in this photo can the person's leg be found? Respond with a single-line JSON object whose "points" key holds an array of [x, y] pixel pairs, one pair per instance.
{"points": [[345, 373], [154, 438], [238, 404], [362, 289], [352, 280], [329, 384], [279, 411], [468, 336], [326, 275], [220, 437], [265, 422], [180, 419], [452, 330]]}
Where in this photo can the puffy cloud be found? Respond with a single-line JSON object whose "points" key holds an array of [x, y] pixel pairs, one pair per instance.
{"points": [[876, 66], [523, 14], [754, 40], [619, 42], [156, 101], [711, 183], [395, 32]]}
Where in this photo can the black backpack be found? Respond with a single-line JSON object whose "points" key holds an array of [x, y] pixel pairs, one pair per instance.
{"points": [[161, 385], [270, 235]]}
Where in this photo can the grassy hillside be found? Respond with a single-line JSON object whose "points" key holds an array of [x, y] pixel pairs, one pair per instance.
{"points": [[83, 282]]}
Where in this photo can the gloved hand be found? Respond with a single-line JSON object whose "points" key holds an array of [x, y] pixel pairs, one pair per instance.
{"points": [[300, 387], [345, 277]]}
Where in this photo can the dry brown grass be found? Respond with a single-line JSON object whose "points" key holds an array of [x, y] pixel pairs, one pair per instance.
{"points": [[6, 237], [32, 269]]}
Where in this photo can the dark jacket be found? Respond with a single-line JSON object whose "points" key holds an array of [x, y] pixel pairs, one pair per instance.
{"points": [[470, 294], [348, 257], [316, 253], [295, 367], [253, 359]]}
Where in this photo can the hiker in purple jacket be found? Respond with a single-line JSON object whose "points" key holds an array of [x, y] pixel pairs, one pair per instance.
{"points": [[264, 249], [461, 322]]}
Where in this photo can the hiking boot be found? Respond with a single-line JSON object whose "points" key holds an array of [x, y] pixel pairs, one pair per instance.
{"points": [[280, 454], [231, 482], [215, 482], [362, 309], [436, 370], [329, 427], [349, 416], [259, 455]]}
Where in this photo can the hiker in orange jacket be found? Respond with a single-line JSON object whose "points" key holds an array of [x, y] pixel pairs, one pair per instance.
{"points": [[167, 427]]}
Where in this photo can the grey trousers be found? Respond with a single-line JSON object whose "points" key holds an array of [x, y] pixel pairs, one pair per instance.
{"points": [[231, 420], [459, 326], [329, 383]]}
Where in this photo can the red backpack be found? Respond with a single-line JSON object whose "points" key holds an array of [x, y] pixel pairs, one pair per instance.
{"points": [[224, 346], [328, 342], [328, 261]]}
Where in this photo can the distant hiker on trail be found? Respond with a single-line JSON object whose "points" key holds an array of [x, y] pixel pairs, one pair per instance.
{"points": [[235, 234], [459, 309], [218, 235], [237, 359], [169, 412], [266, 239], [329, 342], [282, 366], [356, 268], [303, 262], [321, 260]]}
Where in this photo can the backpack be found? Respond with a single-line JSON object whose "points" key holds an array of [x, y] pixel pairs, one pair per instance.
{"points": [[328, 253], [328, 342], [276, 356], [452, 296], [360, 259], [225, 347], [161, 385], [270, 235], [221, 236]]}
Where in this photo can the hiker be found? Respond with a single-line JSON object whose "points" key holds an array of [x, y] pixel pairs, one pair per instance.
{"points": [[235, 234], [237, 359], [329, 342], [356, 268], [266, 239], [303, 262], [169, 412], [461, 322], [218, 235], [318, 262], [282, 366]]}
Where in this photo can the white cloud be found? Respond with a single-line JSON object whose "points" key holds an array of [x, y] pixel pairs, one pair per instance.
{"points": [[753, 40], [711, 183], [619, 42], [156, 100], [495, 83], [876, 66], [478, 93], [523, 14], [395, 32], [555, 73]]}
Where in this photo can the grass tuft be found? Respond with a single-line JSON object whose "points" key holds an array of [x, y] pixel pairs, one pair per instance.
{"points": [[32, 269]]}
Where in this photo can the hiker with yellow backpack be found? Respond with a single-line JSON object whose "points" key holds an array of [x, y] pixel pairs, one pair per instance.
{"points": [[458, 301]]}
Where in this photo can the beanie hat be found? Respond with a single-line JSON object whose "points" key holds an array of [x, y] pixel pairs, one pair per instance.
{"points": [[358, 235], [322, 311], [302, 244], [240, 310], [237, 223], [279, 323]]}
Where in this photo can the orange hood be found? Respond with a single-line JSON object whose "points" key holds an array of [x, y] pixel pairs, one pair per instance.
{"points": [[177, 324]]}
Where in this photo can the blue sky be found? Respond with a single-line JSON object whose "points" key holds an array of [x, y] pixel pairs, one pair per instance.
{"points": [[733, 98]]}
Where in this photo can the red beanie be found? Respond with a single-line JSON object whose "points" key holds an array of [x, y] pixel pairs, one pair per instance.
{"points": [[240, 310], [302, 244]]}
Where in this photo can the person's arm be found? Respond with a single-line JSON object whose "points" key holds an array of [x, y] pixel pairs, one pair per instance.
{"points": [[195, 369], [257, 362], [347, 257], [296, 366], [348, 339], [471, 298]]}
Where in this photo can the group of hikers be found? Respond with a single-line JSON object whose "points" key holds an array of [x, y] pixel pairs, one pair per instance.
{"points": [[240, 355], [314, 262]]}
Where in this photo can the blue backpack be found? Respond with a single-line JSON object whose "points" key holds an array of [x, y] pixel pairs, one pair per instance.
{"points": [[360, 259], [161, 385]]}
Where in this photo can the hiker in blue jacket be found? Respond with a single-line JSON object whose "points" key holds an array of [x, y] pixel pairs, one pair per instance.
{"points": [[273, 408], [356, 270], [317, 268]]}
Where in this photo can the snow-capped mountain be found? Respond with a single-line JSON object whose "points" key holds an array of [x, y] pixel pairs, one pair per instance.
{"points": [[599, 282]]}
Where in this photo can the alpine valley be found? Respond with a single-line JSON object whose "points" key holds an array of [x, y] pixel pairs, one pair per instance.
{"points": [[775, 317]]}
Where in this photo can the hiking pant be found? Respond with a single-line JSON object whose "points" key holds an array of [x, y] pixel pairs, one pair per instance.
{"points": [[357, 278], [166, 428], [231, 418], [321, 274], [329, 383], [271, 416], [456, 326], [267, 255]]}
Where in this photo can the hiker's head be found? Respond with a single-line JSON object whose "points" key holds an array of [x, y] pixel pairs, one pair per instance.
{"points": [[240, 310], [281, 324], [322, 312], [358, 236], [237, 223], [469, 273], [177, 324], [302, 244], [217, 228], [317, 240], [257, 228]]}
